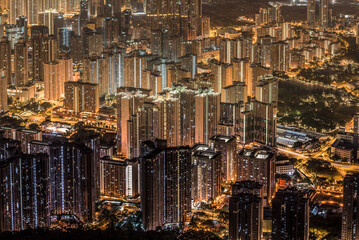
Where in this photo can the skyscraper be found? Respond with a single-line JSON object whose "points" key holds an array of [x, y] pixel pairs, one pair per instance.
{"points": [[206, 173], [350, 216], [21, 64], [5, 72], [245, 211], [53, 88], [165, 184], [311, 13], [84, 12], [267, 89], [180, 117], [280, 56], [3, 92], [17, 8], [24, 192], [38, 43], [82, 97], [356, 124], [116, 7], [113, 176], [324, 13], [290, 215], [33, 7], [227, 147], [207, 115], [265, 122], [258, 165], [264, 50], [129, 100], [71, 179], [5, 59]]}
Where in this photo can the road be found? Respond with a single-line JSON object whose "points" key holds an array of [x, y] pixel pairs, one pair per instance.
{"points": [[292, 153], [346, 167]]}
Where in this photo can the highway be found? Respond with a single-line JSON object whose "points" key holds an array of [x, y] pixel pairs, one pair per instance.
{"points": [[346, 167], [292, 153]]}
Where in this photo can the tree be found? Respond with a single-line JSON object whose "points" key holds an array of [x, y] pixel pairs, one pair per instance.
{"points": [[297, 145], [10, 121], [33, 126], [45, 105], [82, 133]]}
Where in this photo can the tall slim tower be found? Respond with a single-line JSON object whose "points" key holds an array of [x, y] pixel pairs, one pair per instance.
{"points": [[311, 13], [21, 64], [38, 37], [324, 13], [32, 10], [207, 105], [350, 217], [165, 184], [24, 192], [5, 59], [16, 8], [3, 92], [290, 219], [116, 7], [246, 211], [356, 124]]}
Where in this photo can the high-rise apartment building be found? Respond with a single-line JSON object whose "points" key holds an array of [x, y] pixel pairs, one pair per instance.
{"points": [[235, 93], [23, 135], [350, 216], [3, 92], [311, 13], [71, 179], [206, 173], [145, 125], [227, 146], [265, 45], [324, 13], [66, 69], [134, 67], [165, 184], [267, 89], [129, 101], [246, 211], [54, 89], [207, 105], [82, 97], [290, 215], [240, 69], [356, 124], [255, 72], [39, 34], [21, 64], [280, 56], [5, 59], [48, 18], [264, 122], [179, 117], [113, 176], [16, 8], [258, 165], [24, 195]]}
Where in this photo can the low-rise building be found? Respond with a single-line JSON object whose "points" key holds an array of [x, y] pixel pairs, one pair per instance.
{"points": [[343, 150], [284, 166]]}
